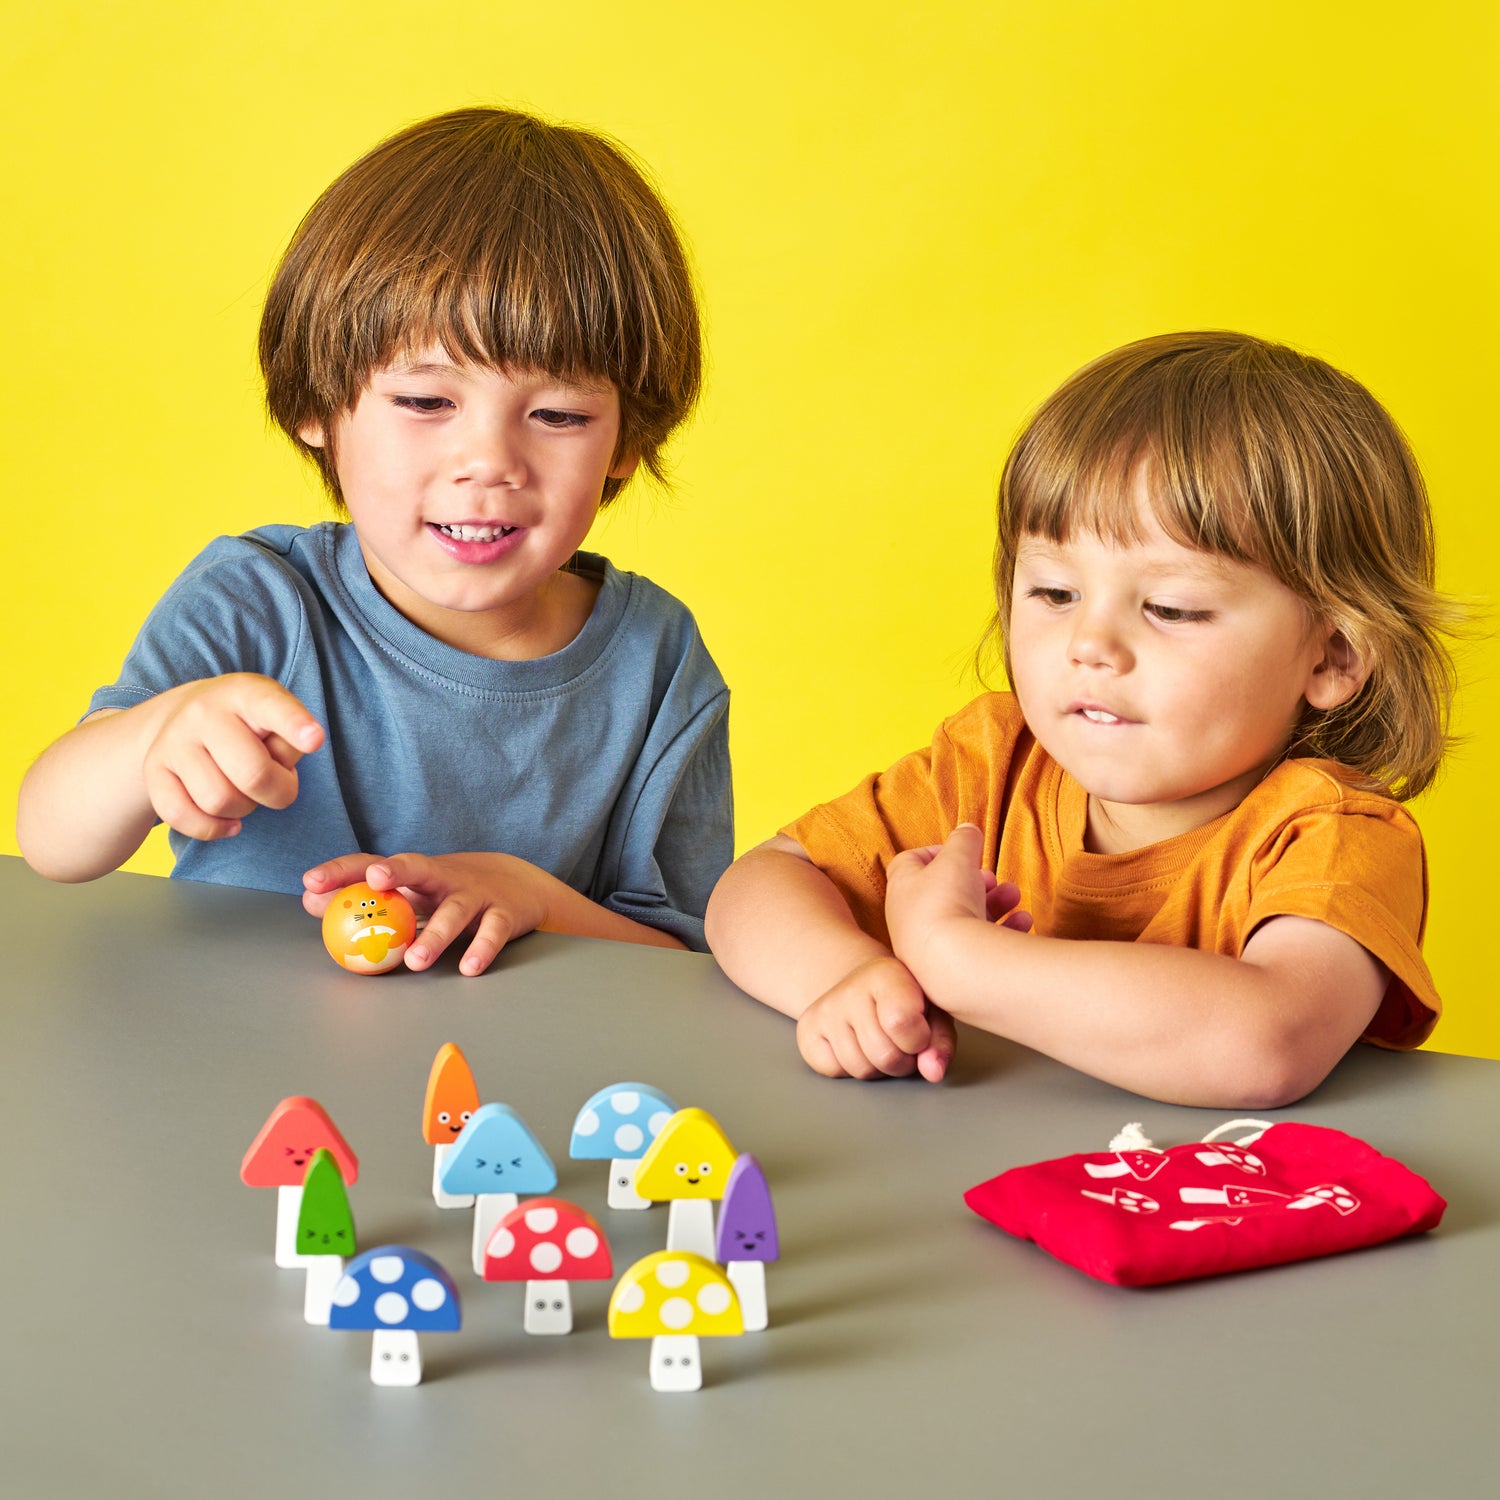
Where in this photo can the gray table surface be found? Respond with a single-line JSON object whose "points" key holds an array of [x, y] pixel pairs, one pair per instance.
{"points": [[151, 1348]]}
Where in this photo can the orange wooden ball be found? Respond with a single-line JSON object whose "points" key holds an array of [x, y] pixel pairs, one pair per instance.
{"points": [[368, 931]]}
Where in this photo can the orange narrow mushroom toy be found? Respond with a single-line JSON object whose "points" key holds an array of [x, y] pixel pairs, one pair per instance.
{"points": [[368, 931], [452, 1098], [279, 1156]]}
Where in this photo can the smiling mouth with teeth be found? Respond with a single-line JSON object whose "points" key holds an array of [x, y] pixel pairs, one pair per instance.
{"points": [[474, 533]]}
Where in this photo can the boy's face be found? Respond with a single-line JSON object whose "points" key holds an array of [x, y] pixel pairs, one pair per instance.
{"points": [[1162, 679], [469, 487]]}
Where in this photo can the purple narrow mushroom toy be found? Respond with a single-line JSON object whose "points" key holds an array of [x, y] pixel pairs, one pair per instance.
{"points": [[746, 1237]]}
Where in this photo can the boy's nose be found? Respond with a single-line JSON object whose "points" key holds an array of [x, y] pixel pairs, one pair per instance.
{"points": [[492, 456]]}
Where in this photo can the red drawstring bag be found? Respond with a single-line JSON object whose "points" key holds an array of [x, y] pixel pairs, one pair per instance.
{"points": [[1137, 1216]]}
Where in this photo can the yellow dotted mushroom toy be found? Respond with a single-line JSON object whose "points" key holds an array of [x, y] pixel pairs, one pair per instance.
{"points": [[674, 1298]]}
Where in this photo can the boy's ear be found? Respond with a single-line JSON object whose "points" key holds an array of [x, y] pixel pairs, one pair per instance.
{"points": [[312, 434], [624, 465], [1339, 675]]}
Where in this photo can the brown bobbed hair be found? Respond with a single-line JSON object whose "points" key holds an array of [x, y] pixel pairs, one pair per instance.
{"points": [[505, 240], [1259, 453]]}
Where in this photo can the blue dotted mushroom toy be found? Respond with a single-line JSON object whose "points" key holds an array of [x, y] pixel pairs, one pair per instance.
{"points": [[396, 1293]]}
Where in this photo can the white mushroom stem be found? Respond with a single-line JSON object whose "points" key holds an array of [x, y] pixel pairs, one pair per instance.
{"points": [[543, 1312], [675, 1364], [288, 1211], [442, 1199], [622, 1193], [323, 1272], [489, 1209], [395, 1358], [690, 1226], [749, 1280]]}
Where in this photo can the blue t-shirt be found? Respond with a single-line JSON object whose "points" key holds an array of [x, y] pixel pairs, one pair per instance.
{"points": [[606, 763]]}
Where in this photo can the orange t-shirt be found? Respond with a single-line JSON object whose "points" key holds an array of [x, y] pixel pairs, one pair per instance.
{"points": [[1301, 844]]}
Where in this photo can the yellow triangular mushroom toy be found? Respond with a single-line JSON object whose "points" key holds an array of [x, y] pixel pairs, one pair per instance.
{"points": [[687, 1166], [674, 1298]]}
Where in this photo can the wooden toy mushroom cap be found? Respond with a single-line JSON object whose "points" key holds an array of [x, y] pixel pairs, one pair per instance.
{"points": [[674, 1292], [548, 1239], [691, 1158]]}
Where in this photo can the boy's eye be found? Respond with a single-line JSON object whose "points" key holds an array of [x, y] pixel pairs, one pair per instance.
{"points": [[426, 404], [1055, 597], [1171, 614], [549, 416]]}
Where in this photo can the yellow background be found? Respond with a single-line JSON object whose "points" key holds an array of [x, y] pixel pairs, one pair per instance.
{"points": [[909, 224]]}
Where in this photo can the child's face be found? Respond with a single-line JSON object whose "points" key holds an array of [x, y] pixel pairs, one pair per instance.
{"points": [[469, 487], [1164, 680]]}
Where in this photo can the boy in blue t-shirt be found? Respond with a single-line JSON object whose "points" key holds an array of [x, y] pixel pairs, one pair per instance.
{"points": [[478, 333]]}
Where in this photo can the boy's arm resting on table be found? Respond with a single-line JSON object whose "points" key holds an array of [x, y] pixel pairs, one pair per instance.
{"points": [[1176, 1024], [499, 896], [199, 757], [782, 931]]}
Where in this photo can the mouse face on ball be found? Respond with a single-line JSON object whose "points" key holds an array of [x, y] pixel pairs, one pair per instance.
{"points": [[368, 931]]}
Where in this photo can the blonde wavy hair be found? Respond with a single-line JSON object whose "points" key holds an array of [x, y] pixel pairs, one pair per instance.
{"points": [[1260, 453], [507, 241]]}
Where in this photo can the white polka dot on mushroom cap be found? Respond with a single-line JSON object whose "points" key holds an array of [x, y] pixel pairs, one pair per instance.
{"points": [[631, 1298], [626, 1102], [673, 1272], [387, 1268], [546, 1258], [390, 1307], [502, 1242], [429, 1294], [541, 1220], [655, 1123], [586, 1124], [582, 1242], [676, 1313], [714, 1298], [629, 1138], [346, 1293]]}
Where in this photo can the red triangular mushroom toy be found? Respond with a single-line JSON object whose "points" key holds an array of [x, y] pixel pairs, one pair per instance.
{"points": [[279, 1156]]}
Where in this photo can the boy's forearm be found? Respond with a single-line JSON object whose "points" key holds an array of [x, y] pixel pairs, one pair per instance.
{"points": [[780, 929], [1175, 1024], [572, 912], [83, 809]]}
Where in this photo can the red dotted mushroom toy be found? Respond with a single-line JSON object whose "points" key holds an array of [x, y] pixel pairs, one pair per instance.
{"points": [[547, 1243]]}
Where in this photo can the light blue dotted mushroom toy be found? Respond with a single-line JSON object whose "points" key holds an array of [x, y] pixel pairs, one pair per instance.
{"points": [[617, 1125], [396, 1293]]}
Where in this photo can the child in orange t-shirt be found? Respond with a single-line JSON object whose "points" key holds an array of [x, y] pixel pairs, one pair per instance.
{"points": [[1214, 577]]}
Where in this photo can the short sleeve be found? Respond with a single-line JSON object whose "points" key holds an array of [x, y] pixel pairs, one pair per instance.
{"points": [[680, 836], [230, 610], [1359, 866], [919, 800]]}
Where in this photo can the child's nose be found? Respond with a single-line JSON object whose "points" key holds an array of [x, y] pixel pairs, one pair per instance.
{"points": [[1099, 641], [492, 455]]}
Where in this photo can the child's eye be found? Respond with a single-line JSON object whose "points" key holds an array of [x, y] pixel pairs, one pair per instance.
{"points": [[549, 416], [1055, 597], [1171, 614], [425, 404]]}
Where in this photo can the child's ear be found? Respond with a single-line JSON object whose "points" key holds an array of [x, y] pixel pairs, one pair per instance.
{"points": [[1339, 675], [624, 465], [312, 434]]}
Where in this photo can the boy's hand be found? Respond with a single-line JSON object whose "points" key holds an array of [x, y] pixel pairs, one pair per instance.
{"points": [[931, 887], [495, 896], [226, 746], [874, 1021]]}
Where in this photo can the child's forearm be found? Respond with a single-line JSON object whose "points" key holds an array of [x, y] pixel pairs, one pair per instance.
{"points": [[572, 912], [780, 929], [1176, 1024], [83, 809]]}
